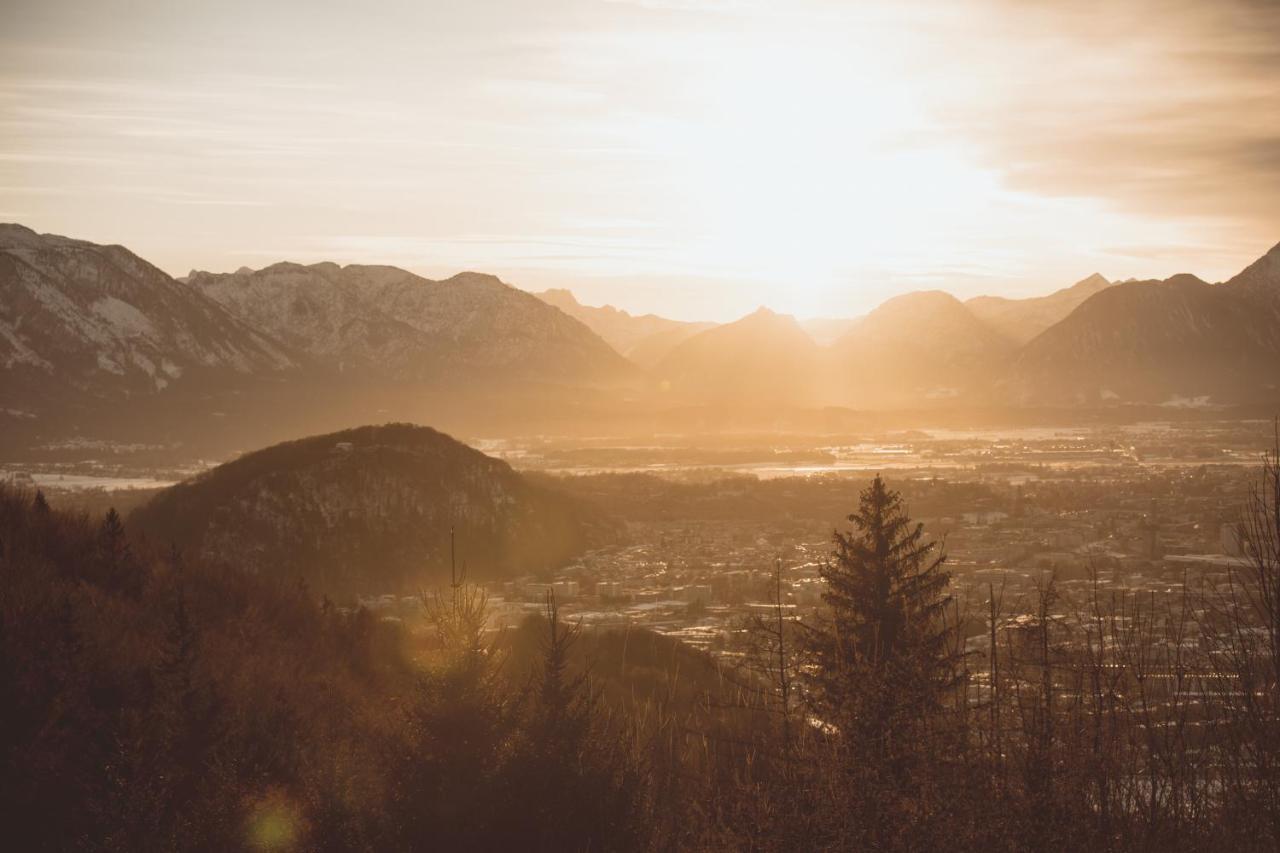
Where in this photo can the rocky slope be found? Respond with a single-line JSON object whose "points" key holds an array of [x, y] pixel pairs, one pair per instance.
{"points": [[368, 510], [392, 324], [98, 321]]}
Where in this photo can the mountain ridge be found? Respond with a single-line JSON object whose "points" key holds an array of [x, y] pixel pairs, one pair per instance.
{"points": [[383, 319], [101, 321], [97, 323], [1020, 320], [642, 338], [1157, 341]]}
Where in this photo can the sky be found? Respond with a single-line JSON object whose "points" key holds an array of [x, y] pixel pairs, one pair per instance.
{"points": [[693, 158]]}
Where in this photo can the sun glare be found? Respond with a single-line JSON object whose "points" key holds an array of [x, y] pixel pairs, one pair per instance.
{"points": [[801, 161]]}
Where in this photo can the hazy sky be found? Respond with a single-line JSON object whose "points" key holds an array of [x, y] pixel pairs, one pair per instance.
{"points": [[692, 157]]}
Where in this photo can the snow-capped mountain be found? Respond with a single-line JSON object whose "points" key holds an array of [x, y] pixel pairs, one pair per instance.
{"points": [[392, 324], [98, 327], [100, 321]]}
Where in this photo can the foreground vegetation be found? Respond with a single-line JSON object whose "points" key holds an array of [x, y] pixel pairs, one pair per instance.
{"points": [[148, 701]]}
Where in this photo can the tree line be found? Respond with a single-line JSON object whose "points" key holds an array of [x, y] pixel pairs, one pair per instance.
{"points": [[149, 701]]}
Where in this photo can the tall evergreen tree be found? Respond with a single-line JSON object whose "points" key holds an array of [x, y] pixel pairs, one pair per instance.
{"points": [[884, 652], [117, 566]]}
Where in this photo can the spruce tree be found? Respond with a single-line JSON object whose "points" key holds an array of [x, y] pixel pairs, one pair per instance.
{"points": [[883, 653], [116, 567]]}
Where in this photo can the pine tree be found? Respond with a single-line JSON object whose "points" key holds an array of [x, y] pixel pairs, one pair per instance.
{"points": [[117, 567], [563, 704], [576, 781], [884, 652]]}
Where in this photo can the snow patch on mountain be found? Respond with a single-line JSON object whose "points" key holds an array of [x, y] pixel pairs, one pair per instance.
{"points": [[124, 319]]}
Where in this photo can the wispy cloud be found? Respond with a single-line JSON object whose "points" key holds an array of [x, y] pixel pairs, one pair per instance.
{"points": [[824, 152]]}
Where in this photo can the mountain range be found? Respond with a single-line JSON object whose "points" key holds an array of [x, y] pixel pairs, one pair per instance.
{"points": [[645, 339], [392, 324], [99, 321], [1020, 320], [1178, 342], [1181, 341], [89, 326]]}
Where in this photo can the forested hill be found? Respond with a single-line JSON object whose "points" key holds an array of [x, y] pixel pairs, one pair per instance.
{"points": [[153, 702], [368, 510]]}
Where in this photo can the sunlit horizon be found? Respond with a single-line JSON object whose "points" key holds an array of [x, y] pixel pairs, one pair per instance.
{"points": [[692, 159]]}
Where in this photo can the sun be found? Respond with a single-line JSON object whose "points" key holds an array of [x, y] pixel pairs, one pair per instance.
{"points": [[797, 160]]}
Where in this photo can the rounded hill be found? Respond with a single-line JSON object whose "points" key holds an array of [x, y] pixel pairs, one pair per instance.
{"points": [[369, 510]]}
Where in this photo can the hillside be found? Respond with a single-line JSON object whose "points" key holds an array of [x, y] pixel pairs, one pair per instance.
{"points": [[1179, 341], [914, 348], [368, 510], [388, 323], [761, 359], [157, 703], [99, 346], [88, 321]]}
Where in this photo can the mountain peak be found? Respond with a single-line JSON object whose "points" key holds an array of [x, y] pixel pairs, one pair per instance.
{"points": [[919, 300], [471, 275], [1261, 276], [765, 318], [12, 232], [15, 236], [558, 295]]}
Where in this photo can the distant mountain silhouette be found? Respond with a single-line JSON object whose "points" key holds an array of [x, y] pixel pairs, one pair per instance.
{"points": [[918, 347], [96, 340], [645, 339], [827, 330], [1020, 320], [390, 323], [1175, 341], [368, 510], [96, 321], [763, 358]]}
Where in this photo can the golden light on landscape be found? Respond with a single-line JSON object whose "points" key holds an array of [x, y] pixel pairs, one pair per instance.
{"points": [[691, 158], [640, 425]]}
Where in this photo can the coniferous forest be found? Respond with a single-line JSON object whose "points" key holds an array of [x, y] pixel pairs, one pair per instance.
{"points": [[151, 702]]}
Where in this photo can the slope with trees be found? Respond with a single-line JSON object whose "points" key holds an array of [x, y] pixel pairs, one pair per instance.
{"points": [[369, 511]]}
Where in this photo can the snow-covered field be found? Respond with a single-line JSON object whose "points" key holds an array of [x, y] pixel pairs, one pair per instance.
{"points": [[76, 482]]}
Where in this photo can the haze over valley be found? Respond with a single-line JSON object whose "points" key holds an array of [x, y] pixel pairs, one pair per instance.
{"points": [[640, 425], [97, 343]]}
